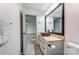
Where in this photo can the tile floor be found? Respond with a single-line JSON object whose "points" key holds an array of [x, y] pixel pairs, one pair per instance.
{"points": [[37, 50], [32, 48]]}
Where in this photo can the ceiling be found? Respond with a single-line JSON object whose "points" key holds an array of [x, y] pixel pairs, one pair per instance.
{"points": [[39, 7]]}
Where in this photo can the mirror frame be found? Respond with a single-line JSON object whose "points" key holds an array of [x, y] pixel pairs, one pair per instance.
{"points": [[62, 18]]}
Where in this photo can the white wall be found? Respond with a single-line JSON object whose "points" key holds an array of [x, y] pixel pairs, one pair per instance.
{"points": [[72, 23], [40, 24], [10, 13], [49, 24]]}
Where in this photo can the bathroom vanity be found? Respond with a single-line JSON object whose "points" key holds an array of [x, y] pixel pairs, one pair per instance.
{"points": [[51, 45], [51, 41]]}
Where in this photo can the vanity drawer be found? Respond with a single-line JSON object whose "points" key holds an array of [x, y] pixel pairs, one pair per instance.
{"points": [[44, 48], [57, 50], [58, 44]]}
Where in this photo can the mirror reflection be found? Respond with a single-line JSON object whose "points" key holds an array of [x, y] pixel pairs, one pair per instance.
{"points": [[54, 21]]}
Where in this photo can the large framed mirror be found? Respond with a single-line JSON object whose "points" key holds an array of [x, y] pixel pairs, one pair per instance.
{"points": [[54, 21]]}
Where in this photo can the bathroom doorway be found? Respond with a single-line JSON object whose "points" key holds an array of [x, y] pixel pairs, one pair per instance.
{"points": [[30, 28]]}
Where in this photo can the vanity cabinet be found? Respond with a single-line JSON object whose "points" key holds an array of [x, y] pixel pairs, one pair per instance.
{"points": [[51, 47], [58, 50], [43, 45]]}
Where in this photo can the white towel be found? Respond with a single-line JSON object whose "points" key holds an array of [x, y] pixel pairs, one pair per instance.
{"points": [[53, 46], [73, 45]]}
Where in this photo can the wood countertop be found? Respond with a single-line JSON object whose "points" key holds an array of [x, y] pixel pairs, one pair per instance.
{"points": [[53, 38], [59, 36]]}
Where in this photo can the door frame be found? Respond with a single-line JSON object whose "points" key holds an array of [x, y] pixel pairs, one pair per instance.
{"points": [[21, 33]]}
